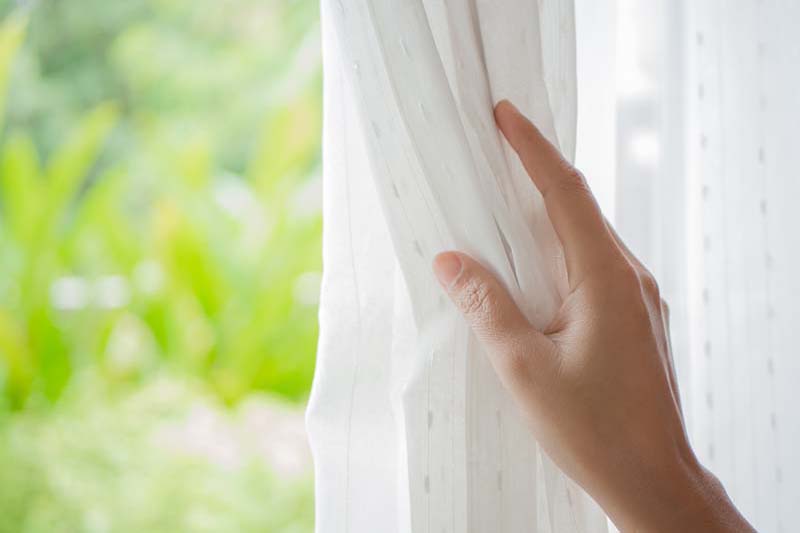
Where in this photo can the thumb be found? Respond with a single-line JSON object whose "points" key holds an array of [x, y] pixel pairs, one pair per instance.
{"points": [[511, 342]]}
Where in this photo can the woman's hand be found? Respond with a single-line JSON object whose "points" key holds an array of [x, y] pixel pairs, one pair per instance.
{"points": [[598, 385]]}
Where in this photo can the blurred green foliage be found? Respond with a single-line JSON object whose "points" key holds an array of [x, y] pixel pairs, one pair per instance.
{"points": [[163, 151], [159, 216], [118, 467]]}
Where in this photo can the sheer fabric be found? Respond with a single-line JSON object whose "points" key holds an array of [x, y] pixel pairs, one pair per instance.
{"points": [[688, 119], [410, 428], [743, 161], [706, 193]]}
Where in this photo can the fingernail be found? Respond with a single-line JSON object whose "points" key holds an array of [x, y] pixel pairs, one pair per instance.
{"points": [[447, 268]]}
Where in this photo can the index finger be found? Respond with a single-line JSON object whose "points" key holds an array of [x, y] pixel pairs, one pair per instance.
{"points": [[576, 217]]}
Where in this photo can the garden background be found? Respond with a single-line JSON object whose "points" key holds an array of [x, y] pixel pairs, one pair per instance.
{"points": [[160, 235]]}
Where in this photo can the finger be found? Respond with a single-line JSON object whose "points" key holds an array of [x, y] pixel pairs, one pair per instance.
{"points": [[576, 216], [673, 376], [624, 248], [512, 344], [665, 316]]}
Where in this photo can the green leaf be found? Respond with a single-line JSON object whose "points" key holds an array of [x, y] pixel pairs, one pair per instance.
{"points": [[12, 32], [20, 187], [52, 356], [69, 168], [15, 358]]}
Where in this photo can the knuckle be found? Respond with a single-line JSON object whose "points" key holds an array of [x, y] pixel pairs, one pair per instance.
{"points": [[650, 285], [573, 181], [620, 284], [665, 307], [626, 276], [476, 298]]}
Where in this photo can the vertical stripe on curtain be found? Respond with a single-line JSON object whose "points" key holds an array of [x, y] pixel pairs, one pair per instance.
{"points": [[410, 428], [743, 161], [706, 194]]}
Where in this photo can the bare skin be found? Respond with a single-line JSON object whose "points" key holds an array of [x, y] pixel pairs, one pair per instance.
{"points": [[597, 386]]}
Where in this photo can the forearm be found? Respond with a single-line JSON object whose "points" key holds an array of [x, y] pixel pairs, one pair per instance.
{"points": [[686, 498]]}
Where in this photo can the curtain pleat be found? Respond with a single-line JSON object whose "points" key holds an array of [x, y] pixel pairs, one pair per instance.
{"points": [[711, 208], [743, 161], [410, 428]]}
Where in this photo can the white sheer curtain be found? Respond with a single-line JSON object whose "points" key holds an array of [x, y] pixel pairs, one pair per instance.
{"points": [[687, 111], [410, 428], [706, 109], [744, 184]]}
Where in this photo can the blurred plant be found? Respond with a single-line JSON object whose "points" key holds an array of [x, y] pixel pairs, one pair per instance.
{"points": [[116, 466], [148, 236], [200, 269]]}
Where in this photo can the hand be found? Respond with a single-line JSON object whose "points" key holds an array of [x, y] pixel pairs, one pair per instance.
{"points": [[598, 385]]}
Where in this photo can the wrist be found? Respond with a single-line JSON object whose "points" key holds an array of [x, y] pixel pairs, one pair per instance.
{"points": [[680, 495]]}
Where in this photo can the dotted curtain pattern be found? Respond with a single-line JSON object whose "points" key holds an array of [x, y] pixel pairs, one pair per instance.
{"points": [[715, 216], [410, 428], [744, 184]]}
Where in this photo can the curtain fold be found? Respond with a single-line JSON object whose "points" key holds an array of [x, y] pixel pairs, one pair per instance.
{"points": [[706, 192], [743, 161], [410, 428]]}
